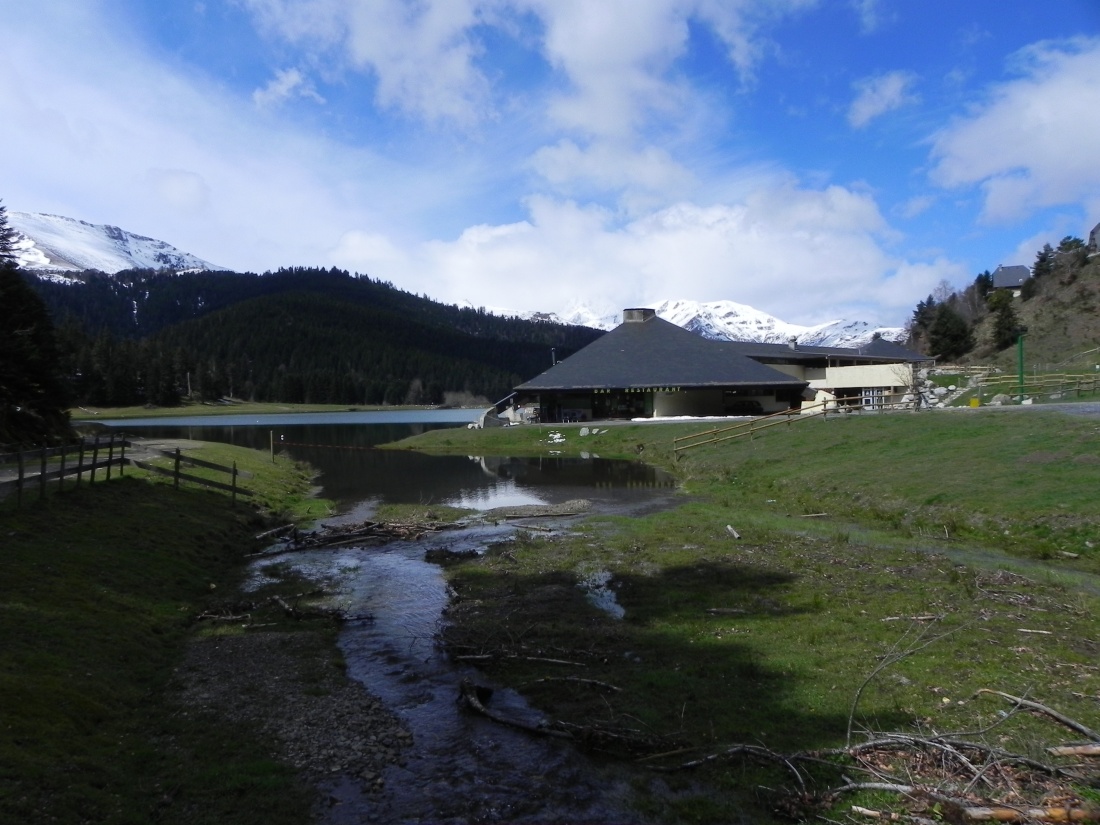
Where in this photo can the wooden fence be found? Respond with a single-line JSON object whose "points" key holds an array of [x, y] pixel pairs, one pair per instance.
{"points": [[1048, 384], [807, 412], [29, 469]]}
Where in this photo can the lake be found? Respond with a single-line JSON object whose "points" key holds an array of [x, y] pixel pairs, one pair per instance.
{"points": [[351, 472]]}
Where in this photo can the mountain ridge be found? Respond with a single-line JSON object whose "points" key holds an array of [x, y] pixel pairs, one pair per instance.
{"points": [[54, 244], [51, 246]]}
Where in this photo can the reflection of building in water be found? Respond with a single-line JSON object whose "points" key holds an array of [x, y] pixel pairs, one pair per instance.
{"points": [[562, 471]]}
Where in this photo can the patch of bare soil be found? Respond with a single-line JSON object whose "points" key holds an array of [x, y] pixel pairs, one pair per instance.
{"points": [[293, 688]]}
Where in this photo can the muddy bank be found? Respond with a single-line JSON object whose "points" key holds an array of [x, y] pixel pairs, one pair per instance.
{"points": [[292, 686]]}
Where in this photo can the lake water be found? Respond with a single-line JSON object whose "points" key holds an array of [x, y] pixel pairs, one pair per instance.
{"points": [[340, 446]]}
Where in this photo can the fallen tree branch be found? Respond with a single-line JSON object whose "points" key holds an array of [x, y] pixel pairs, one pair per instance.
{"points": [[754, 751], [576, 680], [468, 697], [1043, 709], [1075, 750]]}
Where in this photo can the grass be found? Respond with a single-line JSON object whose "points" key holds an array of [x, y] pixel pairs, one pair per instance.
{"points": [[98, 587], [937, 526]]}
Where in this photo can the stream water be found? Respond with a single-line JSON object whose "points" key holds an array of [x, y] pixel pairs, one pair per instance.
{"points": [[461, 768]]}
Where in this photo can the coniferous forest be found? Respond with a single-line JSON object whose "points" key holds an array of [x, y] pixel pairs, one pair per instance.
{"points": [[295, 335]]}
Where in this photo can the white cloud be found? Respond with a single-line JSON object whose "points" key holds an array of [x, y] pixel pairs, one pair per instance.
{"points": [[869, 14], [916, 205], [422, 55], [804, 255], [614, 57], [286, 84], [1029, 144], [610, 166], [879, 94]]}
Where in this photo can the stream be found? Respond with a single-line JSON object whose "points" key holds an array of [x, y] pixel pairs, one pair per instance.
{"points": [[463, 768]]}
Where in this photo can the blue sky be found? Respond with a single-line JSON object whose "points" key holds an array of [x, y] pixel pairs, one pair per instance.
{"points": [[816, 159]]}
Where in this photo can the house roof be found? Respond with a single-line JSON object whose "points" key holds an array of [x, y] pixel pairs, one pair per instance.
{"points": [[648, 351], [1008, 277], [878, 349]]}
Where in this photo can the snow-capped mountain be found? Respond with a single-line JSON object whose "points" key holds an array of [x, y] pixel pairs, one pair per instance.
{"points": [[731, 321], [51, 243]]}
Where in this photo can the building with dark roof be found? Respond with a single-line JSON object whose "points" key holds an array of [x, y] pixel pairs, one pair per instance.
{"points": [[648, 367], [1010, 277]]}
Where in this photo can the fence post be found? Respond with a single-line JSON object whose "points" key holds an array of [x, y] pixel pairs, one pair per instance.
{"points": [[42, 476], [80, 463], [176, 472], [234, 484], [95, 458], [122, 456], [61, 472], [110, 455]]}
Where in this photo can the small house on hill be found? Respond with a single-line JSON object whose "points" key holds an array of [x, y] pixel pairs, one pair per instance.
{"points": [[1010, 277], [648, 367]]}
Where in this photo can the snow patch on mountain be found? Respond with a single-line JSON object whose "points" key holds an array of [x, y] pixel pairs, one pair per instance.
{"points": [[51, 243], [731, 321]]}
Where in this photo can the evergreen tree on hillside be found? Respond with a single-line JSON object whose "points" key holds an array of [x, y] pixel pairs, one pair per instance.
{"points": [[1006, 326], [33, 402], [949, 336], [1044, 262], [7, 236]]}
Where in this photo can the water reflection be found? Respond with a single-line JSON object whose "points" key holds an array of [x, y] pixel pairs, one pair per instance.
{"points": [[351, 471]]}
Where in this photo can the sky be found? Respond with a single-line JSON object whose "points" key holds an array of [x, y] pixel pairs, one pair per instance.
{"points": [[815, 159]]}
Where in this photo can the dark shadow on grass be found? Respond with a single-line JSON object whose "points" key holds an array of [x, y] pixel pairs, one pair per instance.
{"points": [[689, 677]]}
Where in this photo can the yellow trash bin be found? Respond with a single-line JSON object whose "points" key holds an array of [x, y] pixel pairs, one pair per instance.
{"points": [[975, 402]]}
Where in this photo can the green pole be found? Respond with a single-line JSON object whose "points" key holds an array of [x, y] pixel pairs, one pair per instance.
{"points": [[1020, 364]]}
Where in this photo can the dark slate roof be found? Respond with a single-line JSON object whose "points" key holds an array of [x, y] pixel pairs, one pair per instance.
{"points": [[656, 353], [878, 349], [1010, 276]]}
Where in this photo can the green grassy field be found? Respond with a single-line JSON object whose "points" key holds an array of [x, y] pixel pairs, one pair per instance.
{"points": [[886, 568], [861, 540], [99, 587]]}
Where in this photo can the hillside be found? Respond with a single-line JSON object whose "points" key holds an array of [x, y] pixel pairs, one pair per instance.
{"points": [[318, 336], [1062, 319]]}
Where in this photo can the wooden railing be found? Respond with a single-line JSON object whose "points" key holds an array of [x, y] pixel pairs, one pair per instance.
{"points": [[179, 459], [808, 412], [1077, 384], [28, 469]]}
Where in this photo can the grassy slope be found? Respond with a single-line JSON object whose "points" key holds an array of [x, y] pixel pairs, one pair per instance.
{"points": [[810, 605], [97, 592]]}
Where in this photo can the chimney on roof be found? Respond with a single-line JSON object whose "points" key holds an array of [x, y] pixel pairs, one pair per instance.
{"points": [[792, 342], [637, 315]]}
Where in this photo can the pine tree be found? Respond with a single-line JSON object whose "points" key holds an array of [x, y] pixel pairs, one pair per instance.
{"points": [[949, 336], [33, 401], [7, 236]]}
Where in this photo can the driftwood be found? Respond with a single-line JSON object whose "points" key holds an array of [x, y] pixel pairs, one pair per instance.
{"points": [[278, 531], [1075, 750], [244, 611], [1043, 709], [488, 657], [470, 696], [577, 680]]}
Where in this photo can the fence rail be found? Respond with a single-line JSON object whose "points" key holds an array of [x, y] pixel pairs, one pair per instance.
{"points": [[1077, 384], [750, 428], [27, 469]]}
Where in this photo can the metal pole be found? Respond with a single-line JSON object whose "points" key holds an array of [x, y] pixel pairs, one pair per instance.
{"points": [[1020, 364]]}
